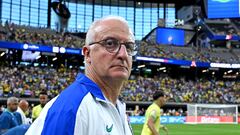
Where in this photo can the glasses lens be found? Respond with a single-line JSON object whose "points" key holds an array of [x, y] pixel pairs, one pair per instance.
{"points": [[111, 45], [131, 48]]}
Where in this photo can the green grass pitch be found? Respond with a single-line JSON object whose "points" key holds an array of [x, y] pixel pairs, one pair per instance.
{"points": [[200, 129]]}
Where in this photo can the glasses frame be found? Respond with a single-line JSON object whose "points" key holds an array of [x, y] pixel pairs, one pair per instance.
{"points": [[119, 44]]}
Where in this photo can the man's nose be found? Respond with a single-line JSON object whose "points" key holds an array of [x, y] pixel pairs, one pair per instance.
{"points": [[123, 50]]}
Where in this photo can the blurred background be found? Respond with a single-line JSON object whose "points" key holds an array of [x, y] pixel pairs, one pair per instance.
{"points": [[188, 48]]}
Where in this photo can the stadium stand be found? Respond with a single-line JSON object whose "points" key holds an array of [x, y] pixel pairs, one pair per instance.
{"points": [[185, 85], [222, 26], [27, 82], [222, 55], [180, 90], [27, 34]]}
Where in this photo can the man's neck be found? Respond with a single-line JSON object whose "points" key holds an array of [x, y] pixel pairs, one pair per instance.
{"points": [[111, 88], [110, 93], [158, 104], [9, 110]]}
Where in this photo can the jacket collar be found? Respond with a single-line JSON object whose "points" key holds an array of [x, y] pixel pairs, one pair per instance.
{"points": [[91, 86]]}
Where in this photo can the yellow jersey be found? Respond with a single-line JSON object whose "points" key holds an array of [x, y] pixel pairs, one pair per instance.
{"points": [[36, 111], [154, 112]]}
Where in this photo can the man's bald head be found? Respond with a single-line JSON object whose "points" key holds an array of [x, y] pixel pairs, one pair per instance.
{"points": [[23, 104]]}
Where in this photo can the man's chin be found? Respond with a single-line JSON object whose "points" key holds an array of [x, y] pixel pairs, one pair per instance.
{"points": [[120, 76]]}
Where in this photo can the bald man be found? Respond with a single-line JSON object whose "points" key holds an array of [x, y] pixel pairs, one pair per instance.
{"points": [[22, 109], [10, 118], [90, 105]]}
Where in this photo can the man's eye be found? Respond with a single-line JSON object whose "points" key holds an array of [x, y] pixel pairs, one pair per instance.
{"points": [[111, 42]]}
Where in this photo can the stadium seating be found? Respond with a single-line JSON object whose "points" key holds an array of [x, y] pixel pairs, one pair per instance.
{"points": [[44, 36], [182, 91], [28, 81], [221, 27], [222, 55]]}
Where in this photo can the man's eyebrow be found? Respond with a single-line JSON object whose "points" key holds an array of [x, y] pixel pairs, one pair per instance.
{"points": [[110, 37], [119, 39]]}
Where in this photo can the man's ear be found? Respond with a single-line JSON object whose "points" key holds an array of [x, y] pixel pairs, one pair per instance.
{"points": [[86, 53]]}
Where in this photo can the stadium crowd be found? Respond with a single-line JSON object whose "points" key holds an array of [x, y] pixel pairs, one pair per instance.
{"points": [[180, 90], [187, 53], [25, 34], [44, 36], [29, 81]]}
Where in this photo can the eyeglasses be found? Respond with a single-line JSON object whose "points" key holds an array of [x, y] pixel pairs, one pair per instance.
{"points": [[113, 45]]}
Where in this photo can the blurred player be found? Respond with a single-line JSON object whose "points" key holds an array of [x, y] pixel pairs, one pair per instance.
{"points": [[10, 118], [43, 98], [152, 116], [23, 108]]}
